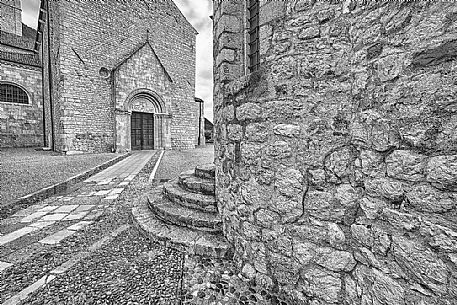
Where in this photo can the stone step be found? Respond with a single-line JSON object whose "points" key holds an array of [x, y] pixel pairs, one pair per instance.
{"points": [[176, 194], [180, 238], [206, 171], [176, 214], [192, 183]]}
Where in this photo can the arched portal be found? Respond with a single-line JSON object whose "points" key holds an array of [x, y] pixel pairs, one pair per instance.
{"points": [[143, 124]]}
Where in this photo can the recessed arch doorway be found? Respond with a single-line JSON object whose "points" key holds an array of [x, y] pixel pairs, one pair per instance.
{"points": [[143, 123]]}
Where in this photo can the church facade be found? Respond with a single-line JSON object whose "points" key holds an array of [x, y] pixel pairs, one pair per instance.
{"points": [[110, 76]]}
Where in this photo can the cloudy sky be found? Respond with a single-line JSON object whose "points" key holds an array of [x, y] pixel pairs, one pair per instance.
{"points": [[197, 12]]}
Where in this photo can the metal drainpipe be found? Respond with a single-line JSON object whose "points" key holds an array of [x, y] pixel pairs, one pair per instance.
{"points": [[50, 78], [45, 144]]}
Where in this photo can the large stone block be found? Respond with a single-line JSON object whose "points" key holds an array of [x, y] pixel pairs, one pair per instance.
{"points": [[423, 265], [442, 171], [323, 285]]}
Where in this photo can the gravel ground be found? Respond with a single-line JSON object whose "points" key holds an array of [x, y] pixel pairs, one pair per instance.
{"points": [[128, 270], [25, 170], [175, 162], [216, 281]]}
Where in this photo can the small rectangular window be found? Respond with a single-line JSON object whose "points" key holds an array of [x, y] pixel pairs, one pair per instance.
{"points": [[254, 56]]}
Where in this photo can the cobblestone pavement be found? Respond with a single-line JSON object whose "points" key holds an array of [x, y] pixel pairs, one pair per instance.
{"points": [[175, 162], [81, 248], [217, 281]]}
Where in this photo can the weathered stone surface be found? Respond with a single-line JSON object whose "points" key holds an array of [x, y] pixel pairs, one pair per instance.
{"points": [[362, 234], [442, 171], [321, 284], [323, 206], [349, 130], [336, 236], [421, 263], [335, 260], [400, 220], [234, 132], [440, 237], [371, 163], [290, 183], [287, 130], [389, 189], [248, 271], [425, 198], [377, 288], [286, 270], [248, 111], [304, 252], [406, 165], [372, 207]]}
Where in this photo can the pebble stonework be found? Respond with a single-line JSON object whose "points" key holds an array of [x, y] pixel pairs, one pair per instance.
{"points": [[336, 151]]}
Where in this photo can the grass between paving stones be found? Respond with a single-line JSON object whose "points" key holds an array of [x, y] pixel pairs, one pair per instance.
{"points": [[25, 170], [128, 269]]}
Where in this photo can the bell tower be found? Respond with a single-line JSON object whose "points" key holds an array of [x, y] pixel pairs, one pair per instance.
{"points": [[11, 16]]}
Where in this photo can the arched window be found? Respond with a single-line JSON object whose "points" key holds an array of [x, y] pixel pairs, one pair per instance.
{"points": [[10, 93]]}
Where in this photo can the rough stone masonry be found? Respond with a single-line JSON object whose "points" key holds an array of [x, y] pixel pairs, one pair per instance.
{"points": [[336, 161]]}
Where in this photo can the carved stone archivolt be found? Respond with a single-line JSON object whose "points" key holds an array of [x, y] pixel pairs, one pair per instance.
{"points": [[144, 100]]}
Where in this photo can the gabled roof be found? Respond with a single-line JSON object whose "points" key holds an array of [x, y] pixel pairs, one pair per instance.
{"points": [[136, 50], [208, 124], [184, 17]]}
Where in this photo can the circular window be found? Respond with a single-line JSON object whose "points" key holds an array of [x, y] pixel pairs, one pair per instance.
{"points": [[104, 72]]}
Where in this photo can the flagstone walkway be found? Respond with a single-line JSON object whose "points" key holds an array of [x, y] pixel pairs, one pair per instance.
{"points": [[82, 247], [70, 222]]}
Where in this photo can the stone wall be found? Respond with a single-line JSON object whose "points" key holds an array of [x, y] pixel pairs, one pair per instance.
{"points": [[88, 49], [22, 124], [336, 163]]}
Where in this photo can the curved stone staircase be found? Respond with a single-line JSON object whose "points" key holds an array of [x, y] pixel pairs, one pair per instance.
{"points": [[183, 214]]}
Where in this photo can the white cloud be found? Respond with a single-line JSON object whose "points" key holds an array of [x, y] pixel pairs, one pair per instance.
{"points": [[198, 12], [30, 10]]}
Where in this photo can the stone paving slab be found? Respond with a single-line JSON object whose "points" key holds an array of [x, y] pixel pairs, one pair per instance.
{"points": [[84, 208], [54, 217], [4, 265], [65, 209], [79, 225], [48, 208], [57, 237], [16, 234], [76, 216], [33, 216], [42, 224]]}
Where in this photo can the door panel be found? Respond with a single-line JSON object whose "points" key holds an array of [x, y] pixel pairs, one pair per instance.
{"points": [[142, 135]]}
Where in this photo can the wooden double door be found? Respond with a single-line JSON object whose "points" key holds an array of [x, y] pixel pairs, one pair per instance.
{"points": [[142, 131]]}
